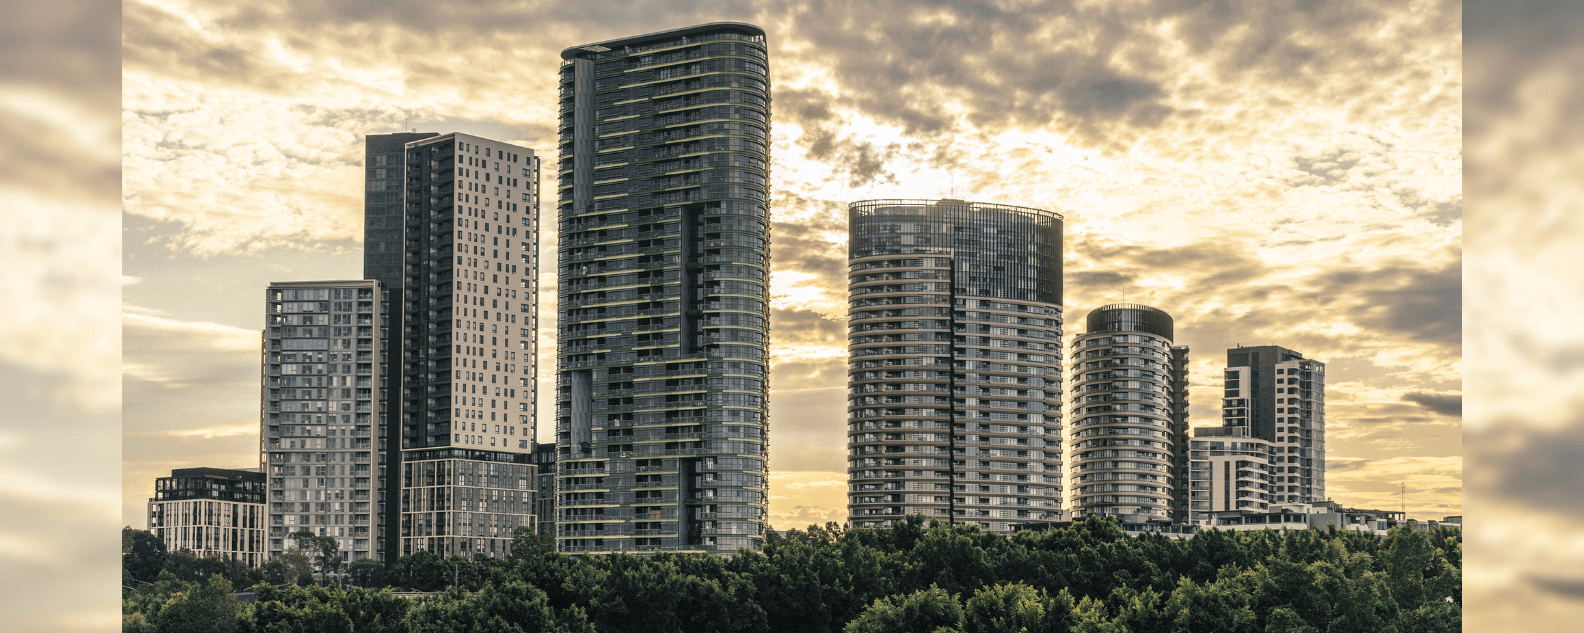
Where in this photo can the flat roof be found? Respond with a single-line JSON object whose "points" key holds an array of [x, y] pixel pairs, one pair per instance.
{"points": [[325, 282], [574, 51]]}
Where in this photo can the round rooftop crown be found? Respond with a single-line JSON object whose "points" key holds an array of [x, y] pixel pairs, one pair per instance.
{"points": [[1131, 317]]}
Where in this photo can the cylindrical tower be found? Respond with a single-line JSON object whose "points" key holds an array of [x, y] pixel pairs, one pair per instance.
{"points": [[954, 377], [1126, 414]]}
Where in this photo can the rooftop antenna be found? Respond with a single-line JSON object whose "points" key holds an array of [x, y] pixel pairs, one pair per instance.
{"points": [[1402, 498]]}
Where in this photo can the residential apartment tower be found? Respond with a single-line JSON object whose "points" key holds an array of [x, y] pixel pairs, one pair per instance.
{"points": [[1129, 403], [663, 264], [384, 224], [1280, 397], [469, 267], [322, 370], [954, 372]]}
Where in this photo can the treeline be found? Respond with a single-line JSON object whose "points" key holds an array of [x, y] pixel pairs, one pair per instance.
{"points": [[924, 577]]}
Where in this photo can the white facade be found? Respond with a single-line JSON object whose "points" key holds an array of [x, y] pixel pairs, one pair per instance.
{"points": [[210, 512], [1298, 462], [1228, 470]]}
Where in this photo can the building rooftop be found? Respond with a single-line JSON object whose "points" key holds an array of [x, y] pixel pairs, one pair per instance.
{"points": [[659, 36]]}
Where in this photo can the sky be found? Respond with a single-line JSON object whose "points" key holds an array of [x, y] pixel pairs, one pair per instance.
{"points": [[1278, 173], [1247, 167]]}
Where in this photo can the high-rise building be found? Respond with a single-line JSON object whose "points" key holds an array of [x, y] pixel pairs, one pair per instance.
{"points": [[1129, 424], [322, 369], [662, 333], [384, 201], [211, 512], [468, 354], [954, 372], [1280, 396], [1230, 472]]}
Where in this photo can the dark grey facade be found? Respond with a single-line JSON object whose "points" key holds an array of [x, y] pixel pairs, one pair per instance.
{"points": [[1280, 396], [470, 271], [954, 372], [663, 261], [384, 158], [1129, 394], [219, 484]]}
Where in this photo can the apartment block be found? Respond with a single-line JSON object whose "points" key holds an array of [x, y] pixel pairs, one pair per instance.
{"points": [[322, 371], [1280, 396], [954, 372], [1129, 403], [469, 303], [1230, 470], [663, 268], [384, 253], [211, 512]]}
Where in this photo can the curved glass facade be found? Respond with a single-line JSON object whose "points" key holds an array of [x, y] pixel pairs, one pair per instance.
{"points": [[954, 376], [663, 263], [1129, 416]]}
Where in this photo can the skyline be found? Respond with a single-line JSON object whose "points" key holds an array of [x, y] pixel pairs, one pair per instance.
{"points": [[1376, 299]]}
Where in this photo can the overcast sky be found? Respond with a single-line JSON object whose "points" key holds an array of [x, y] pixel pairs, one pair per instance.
{"points": [[1280, 173]]}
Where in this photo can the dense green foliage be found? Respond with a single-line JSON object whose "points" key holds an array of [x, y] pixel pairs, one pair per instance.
{"points": [[1089, 577]]}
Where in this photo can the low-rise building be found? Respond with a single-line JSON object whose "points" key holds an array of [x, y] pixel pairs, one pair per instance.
{"points": [[1323, 515], [210, 512], [1229, 470]]}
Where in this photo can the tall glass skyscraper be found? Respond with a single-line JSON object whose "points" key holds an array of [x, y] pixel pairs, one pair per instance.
{"points": [[954, 372], [663, 262], [384, 203], [1129, 417]]}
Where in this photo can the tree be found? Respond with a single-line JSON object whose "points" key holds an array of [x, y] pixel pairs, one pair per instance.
{"points": [[207, 608], [641, 595], [142, 554], [366, 572], [512, 608], [1017, 608], [420, 571], [1139, 611], [1285, 620], [1215, 607], [929, 610], [289, 568], [324, 551], [527, 542], [859, 581]]}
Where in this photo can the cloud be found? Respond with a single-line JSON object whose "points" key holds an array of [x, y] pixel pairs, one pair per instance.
{"points": [[1448, 404], [802, 498], [834, 483], [177, 354], [250, 430], [1570, 588], [1536, 467]]}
